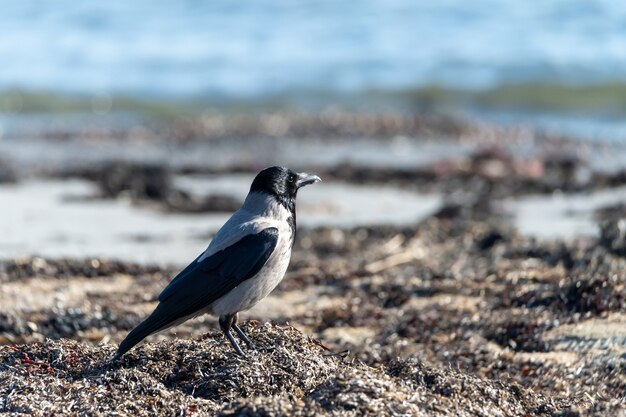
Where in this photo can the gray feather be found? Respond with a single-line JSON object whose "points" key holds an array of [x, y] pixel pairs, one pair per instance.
{"points": [[202, 282]]}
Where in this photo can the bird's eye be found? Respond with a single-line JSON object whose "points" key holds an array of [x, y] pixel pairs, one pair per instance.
{"points": [[291, 178]]}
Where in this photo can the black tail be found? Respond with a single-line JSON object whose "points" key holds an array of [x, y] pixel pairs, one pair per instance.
{"points": [[158, 320]]}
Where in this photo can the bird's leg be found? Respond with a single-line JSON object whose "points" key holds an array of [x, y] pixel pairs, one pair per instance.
{"points": [[226, 321], [241, 334]]}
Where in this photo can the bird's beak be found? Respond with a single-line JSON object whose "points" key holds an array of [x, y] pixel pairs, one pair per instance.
{"points": [[306, 179]]}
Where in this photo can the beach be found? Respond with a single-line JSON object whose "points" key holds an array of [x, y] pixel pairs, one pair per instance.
{"points": [[445, 266]]}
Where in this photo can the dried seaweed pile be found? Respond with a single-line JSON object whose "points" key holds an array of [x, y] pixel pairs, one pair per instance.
{"points": [[516, 309], [455, 316], [148, 184], [289, 374]]}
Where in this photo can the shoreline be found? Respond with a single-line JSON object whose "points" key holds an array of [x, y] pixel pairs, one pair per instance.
{"points": [[411, 255]]}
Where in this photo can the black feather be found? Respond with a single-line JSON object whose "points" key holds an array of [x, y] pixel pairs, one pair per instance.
{"points": [[279, 182], [202, 283]]}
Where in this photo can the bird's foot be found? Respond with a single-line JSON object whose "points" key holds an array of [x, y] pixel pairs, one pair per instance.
{"points": [[243, 337], [234, 344]]}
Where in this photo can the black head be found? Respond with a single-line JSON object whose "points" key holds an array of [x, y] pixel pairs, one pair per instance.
{"points": [[281, 182]]}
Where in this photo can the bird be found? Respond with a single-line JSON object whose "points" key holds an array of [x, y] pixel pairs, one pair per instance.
{"points": [[246, 259]]}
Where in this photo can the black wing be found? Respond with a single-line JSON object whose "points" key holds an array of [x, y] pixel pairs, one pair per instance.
{"points": [[201, 283], [206, 281]]}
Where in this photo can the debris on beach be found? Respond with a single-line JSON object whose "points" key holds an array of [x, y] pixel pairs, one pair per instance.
{"points": [[449, 317], [613, 235], [290, 373], [146, 183], [457, 314], [7, 173]]}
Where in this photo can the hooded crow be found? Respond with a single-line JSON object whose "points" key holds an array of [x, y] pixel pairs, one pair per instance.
{"points": [[244, 262]]}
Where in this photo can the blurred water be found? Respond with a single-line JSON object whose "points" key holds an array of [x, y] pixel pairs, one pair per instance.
{"points": [[252, 48], [563, 216], [41, 221]]}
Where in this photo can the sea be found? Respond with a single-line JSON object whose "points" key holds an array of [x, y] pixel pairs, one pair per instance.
{"points": [[498, 59]]}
